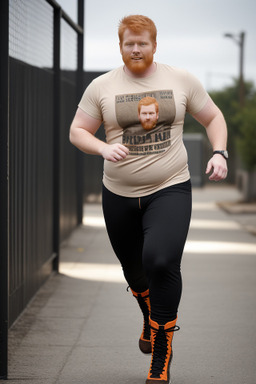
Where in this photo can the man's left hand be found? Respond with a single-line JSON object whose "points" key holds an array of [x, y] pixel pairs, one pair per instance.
{"points": [[218, 165]]}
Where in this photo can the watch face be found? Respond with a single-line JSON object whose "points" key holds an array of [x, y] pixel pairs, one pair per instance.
{"points": [[225, 153]]}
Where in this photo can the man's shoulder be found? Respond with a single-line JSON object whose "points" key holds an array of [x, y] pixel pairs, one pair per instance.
{"points": [[172, 69], [180, 75]]}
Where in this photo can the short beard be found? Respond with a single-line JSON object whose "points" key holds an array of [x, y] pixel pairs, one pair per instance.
{"points": [[138, 67], [148, 125]]}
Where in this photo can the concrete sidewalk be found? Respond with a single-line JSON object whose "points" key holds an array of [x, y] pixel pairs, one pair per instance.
{"points": [[83, 327]]}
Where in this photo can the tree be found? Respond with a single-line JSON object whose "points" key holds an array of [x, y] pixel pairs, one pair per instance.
{"points": [[236, 118], [241, 123], [245, 121]]}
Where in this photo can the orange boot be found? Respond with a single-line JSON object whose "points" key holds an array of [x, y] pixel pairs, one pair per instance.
{"points": [[161, 338], [144, 303]]}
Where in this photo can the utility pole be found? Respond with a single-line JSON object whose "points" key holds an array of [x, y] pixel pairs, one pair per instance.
{"points": [[239, 40]]}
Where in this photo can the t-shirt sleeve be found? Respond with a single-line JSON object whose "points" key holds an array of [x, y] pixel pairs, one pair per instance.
{"points": [[90, 101], [197, 96]]}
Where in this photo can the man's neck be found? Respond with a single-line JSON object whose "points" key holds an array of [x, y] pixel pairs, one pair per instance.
{"points": [[149, 71]]}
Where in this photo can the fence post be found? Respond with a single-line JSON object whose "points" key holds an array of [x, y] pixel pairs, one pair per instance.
{"points": [[56, 138], [80, 86], [4, 201]]}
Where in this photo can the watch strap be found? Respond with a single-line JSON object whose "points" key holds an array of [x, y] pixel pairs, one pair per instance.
{"points": [[223, 153]]}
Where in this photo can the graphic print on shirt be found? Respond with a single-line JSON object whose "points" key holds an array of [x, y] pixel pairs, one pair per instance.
{"points": [[146, 119]]}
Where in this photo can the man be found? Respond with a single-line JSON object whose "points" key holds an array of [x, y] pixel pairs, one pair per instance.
{"points": [[148, 112], [146, 182]]}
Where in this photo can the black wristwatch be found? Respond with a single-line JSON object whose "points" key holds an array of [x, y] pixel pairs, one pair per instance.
{"points": [[223, 153]]}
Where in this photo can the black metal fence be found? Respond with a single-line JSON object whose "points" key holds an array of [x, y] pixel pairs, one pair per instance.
{"points": [[41, 194], [30, 181]]}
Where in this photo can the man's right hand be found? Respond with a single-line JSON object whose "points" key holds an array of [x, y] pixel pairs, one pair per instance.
{"points": [[114, 152]]}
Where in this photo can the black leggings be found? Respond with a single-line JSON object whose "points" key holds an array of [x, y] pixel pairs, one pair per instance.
{"points": [[148, 235]]}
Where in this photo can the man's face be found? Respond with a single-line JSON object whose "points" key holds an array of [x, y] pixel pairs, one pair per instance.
{"points": [[148, 116], [137, 51]]}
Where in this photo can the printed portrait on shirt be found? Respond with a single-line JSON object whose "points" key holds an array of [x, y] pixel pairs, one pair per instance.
{"points": [[146, 120]]}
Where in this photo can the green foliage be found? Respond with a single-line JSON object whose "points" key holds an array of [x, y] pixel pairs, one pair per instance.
{"points": [[241, 121], [245, 120]]}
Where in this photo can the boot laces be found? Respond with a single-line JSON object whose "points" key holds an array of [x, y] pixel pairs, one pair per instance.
{"points": [[160, 353]]}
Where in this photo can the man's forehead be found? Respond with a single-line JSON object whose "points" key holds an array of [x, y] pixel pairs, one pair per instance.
{"points": [[129, 34], [150, 107]]}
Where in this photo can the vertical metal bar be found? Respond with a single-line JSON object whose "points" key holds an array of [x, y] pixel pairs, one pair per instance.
{"points": [[241, 69], [80, 72], [56, 139], [81, 9], [4, 190]]}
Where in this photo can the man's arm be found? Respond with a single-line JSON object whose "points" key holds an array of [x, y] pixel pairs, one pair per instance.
{"points": [[82, 135], [212, 119]]}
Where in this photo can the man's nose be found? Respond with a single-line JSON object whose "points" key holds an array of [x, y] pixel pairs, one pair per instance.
{"points": [[136, 48]]}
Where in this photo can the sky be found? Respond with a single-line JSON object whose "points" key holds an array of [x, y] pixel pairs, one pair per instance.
{"points": [[190, 35]]}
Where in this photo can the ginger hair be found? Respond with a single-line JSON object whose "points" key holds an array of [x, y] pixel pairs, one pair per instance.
{"points": [[148, 101], [137, 24]]}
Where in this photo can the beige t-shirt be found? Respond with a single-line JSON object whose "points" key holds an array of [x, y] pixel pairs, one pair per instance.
{"points": [[157, 158]]}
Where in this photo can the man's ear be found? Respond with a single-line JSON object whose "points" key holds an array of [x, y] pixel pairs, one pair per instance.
{"points": [[154, 47]]}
